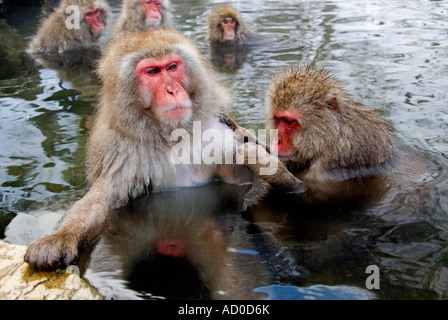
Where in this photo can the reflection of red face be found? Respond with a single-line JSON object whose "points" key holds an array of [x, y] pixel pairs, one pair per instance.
{"points": [[228, 28], [287, 124], [163, 77], [93, 17], [153, 8], [172, 247]]}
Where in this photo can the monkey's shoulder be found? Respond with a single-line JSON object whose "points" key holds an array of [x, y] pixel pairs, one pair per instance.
{"points": [[410, 166], [407, 167]]}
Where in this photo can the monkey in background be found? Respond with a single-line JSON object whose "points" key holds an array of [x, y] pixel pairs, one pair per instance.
{"points": [[333, 143], [155, 84], [75, 25], [227, 27], [141, 15]]}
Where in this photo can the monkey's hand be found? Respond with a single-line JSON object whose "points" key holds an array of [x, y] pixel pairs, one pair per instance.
{"points": [[269, 168], [243, 135], [225, 119], [52, 252]]}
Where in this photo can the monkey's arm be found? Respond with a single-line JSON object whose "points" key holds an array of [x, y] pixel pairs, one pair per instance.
{"points": [[269, 168], [258, 159], [82, 223], [242, 134]]}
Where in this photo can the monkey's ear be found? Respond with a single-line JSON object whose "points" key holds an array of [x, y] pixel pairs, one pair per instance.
{"points": [[333, 104]]}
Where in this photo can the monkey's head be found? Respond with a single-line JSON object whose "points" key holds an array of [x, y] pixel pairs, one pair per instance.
{"points": [[148, 13], [226, 25], [319, 123], [157, 79], [92, 15]]}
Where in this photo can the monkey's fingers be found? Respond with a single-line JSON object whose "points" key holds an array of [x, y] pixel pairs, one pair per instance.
{"points": [[51, 252], [270, 169], [242, 134], [225, 119]]}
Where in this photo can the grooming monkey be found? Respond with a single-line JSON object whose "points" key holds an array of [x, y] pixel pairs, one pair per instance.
{"points": [[157, 90], [334, 144]]}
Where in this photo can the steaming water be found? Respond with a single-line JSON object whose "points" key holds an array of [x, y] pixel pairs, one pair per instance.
{"points": [[391, 55]]}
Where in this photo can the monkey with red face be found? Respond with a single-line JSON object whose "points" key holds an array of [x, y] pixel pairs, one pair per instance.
{"points": [[75, 25], [330, 141], [157, 89], [142, 15], [226, 26]]}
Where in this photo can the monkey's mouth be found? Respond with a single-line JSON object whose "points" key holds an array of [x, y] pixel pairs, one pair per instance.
{"points": [[97, 27], [152, 20], [176, 113], [285, 155], [229, 37]]}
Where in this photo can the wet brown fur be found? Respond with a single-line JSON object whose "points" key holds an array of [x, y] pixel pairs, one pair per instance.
{"points": [[54, 36], [350, 141], [133, 15], [215, 33], [128, 150]]}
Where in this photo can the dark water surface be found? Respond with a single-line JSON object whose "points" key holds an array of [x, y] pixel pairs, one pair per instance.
{"points": [[391, 55]]}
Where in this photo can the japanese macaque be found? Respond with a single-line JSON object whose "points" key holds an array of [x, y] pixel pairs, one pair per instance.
{"points": [[325, 135], [141, 15], [158, 106], [74, 25], [352, 166], [227, 27]]}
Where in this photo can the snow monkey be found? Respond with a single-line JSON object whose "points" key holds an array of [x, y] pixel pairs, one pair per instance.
{"points": [[160, 109], [74, 25]]}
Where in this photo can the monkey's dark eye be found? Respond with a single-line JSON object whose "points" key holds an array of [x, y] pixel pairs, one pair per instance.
{"points": [[97, 12], [228, 20], [89, 14], [172, 67], [290, 123], [153, 71]]}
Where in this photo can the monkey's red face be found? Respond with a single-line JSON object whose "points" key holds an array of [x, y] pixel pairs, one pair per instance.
{"points": [[228, 26], [153, 8], [287, 124], [93, 17], [162, 79]]}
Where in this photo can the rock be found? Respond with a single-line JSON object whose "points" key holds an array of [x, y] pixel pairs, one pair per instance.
{"points": [[20, 282]]}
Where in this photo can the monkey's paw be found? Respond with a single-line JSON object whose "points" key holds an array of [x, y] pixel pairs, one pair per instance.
{"points": [[52, 252], [269, 168], [225, 119], [256, 157]]}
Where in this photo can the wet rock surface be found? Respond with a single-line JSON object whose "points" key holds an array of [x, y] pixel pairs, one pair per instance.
{"points": [[20, 282]]}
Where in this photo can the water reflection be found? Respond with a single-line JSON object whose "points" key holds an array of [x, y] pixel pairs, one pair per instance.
{"points": [[76, 70], [229, 58], [11, 46], [390, 55], [178, 244]]}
